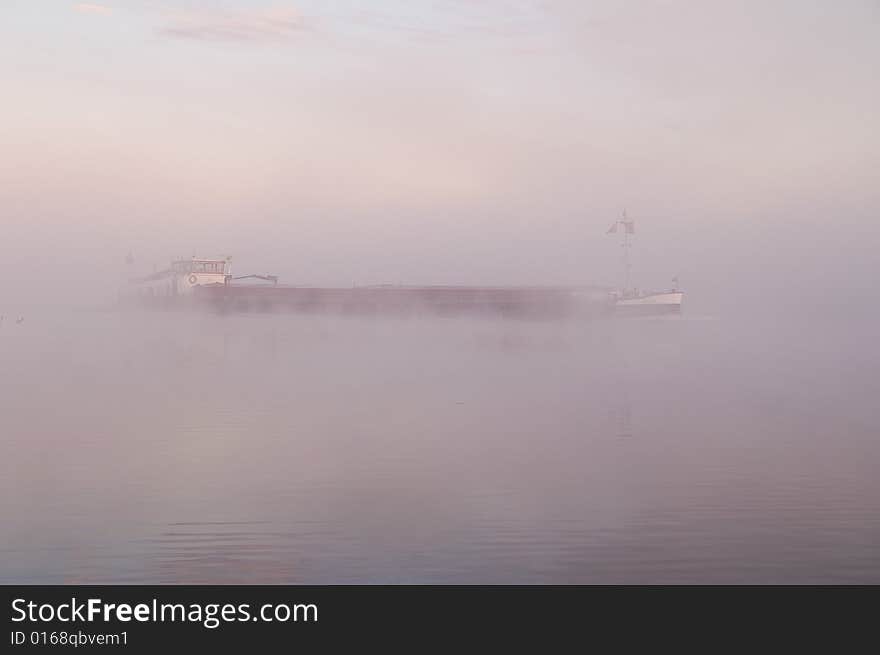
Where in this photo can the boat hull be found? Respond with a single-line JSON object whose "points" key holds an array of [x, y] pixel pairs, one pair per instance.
{"points": [[654, 304], [536, 302]]}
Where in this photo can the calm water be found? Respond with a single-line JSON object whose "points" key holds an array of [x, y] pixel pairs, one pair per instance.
{"points": [[176, 448]]}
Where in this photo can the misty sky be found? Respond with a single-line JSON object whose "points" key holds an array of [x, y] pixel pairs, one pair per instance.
{"points": [[444, 141]]}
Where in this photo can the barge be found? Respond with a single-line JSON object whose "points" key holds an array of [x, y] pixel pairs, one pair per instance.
{"points": [[209, 284]]}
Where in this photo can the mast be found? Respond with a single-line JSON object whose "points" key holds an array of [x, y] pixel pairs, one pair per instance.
{"points": [[627, 268], [629, 227]]}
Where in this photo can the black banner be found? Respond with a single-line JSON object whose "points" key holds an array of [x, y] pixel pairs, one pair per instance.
{"points": [[154, 617]]}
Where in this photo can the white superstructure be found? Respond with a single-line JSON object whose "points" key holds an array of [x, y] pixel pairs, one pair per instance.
{"points": [[180, 278]]}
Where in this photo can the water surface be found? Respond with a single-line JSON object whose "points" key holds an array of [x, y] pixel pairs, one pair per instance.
{"points": [[166, 448]]}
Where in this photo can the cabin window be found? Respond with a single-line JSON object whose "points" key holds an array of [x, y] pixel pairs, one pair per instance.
{"points": [[207, 267], [199, 267]]}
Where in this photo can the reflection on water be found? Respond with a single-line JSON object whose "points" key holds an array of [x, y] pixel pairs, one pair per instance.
{"points": [[179, 448]]}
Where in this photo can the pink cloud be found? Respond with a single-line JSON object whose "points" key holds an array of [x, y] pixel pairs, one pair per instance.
{"points": [[265, 25], [88, 8]]}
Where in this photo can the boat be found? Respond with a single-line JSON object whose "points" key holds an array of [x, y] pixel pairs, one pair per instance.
{"points": [[209, 284], [630, 301]]}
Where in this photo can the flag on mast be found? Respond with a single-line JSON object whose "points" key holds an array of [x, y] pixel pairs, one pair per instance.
{"points": [[613, 228], [630, 226]]}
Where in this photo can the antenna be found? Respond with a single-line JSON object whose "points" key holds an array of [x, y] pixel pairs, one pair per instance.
{"points": [[629, 227], [626, 246]]}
